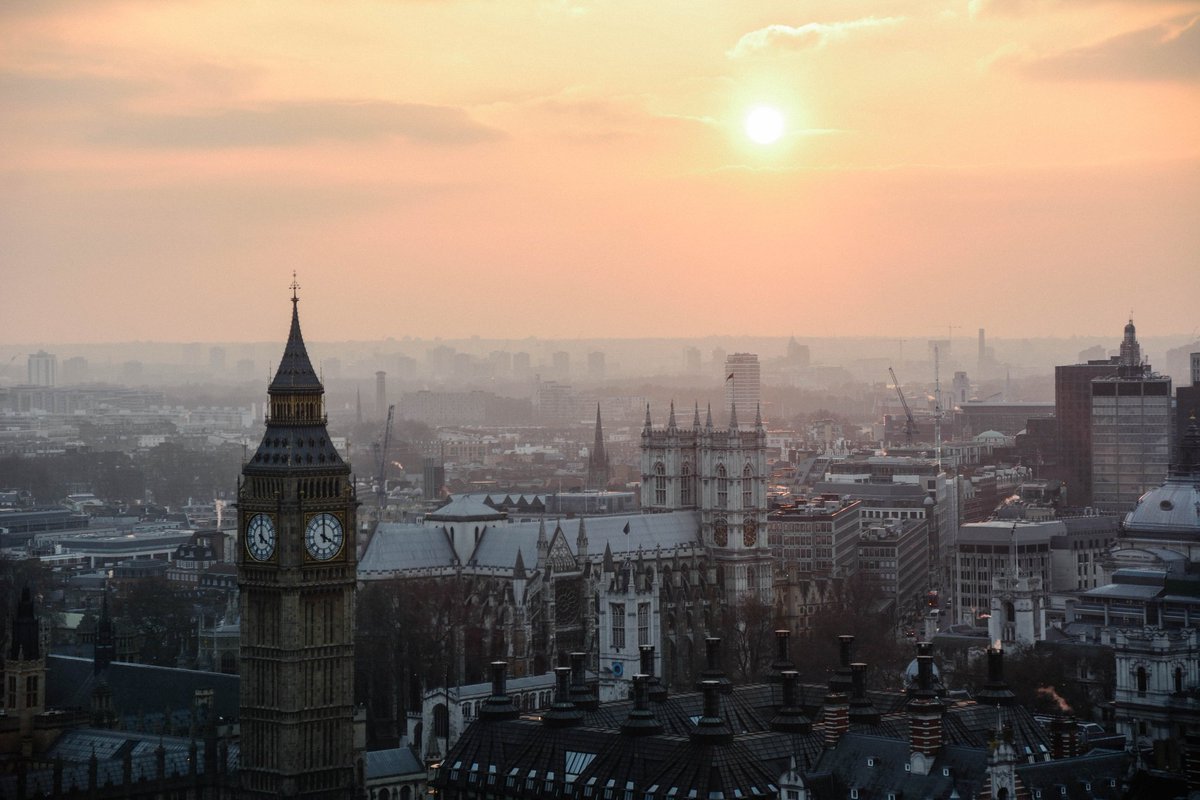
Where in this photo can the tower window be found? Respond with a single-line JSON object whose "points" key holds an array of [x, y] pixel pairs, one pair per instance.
{"points": [[722, 487], [685, 485], [660, 484], [1141, 680], [747, 487]]}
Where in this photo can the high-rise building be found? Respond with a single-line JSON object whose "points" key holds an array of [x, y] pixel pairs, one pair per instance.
{"points": [[43, 369], [1073, 412], [596, 365], [296, 575], [743, 387], [560, 364], [75, 370], [380, 394], [1195, 369], [1131, 430]]}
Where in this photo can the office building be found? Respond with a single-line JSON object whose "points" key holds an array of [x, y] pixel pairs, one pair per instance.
{"points": [[43, 369], [743, 386], [1073, 410], [1131, 430]]}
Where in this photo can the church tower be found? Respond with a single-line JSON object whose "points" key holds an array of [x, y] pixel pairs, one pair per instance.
{"points": [[296, 571]]}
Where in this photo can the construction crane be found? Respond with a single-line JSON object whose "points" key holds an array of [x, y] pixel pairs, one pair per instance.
{"points": [[383, 456], [910, 424]]}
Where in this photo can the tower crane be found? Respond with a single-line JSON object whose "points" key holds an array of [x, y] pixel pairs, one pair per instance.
{"points": [[910, 424], [383, 456]]}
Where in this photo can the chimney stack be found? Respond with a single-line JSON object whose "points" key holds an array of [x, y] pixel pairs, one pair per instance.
{"points": [[790, 718], [713, 671], [711, 728], [862, 710], [783, 659], [657, 691], [995, 691], [925, 713], [498, 706], [563, 712], [641, 721], [581, 695]]}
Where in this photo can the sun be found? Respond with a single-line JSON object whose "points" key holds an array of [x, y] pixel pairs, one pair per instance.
{"points": [[764, 124]]}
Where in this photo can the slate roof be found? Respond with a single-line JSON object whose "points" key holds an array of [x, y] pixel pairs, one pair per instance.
{"points": [[466, 507], [398, 546], [1096, 775], [75, 747], [396, 762], [875, 766], [138, 687]]}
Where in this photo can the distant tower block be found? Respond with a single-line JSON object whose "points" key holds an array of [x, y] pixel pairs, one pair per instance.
{"points": [[380, 394], [43, 369], [962, 388], [743, 387]]}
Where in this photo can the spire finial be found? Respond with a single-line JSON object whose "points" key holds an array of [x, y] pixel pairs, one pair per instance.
{"points": [[294, 287]]}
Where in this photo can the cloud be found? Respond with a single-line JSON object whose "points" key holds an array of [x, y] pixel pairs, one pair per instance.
{"points": [[803, 37], [300, 123], [1166, 52]]}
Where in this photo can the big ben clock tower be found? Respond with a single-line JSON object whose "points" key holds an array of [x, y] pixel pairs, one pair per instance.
{"points": [[296, 572]]}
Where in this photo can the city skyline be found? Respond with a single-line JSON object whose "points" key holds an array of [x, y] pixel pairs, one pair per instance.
{"points": [[577, 170]]}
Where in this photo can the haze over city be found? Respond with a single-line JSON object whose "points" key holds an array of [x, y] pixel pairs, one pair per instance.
{"points": [[579, 169]]}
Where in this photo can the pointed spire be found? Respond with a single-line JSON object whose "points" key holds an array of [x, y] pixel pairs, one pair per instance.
{"points": [[609, 565], [105, 648], [708, 423], [733, 423], [696, 417], [519, 568], [671, 418], [647, 425], [758, 423], [581, 540], [295, 371]]}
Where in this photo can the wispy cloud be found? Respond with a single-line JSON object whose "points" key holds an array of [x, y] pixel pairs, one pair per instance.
{"points": [[286, 124], [807, 36], [1166, 52]]}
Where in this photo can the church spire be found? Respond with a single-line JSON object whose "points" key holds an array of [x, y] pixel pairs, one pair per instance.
{"points": [[105, 647], [597, 475], [647, 425], [708, 423], [696, 417], [733, 423], [25, 640], [671, 418]]}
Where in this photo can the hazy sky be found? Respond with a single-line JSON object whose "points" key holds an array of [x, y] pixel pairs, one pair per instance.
{"points": [[560, 168]]}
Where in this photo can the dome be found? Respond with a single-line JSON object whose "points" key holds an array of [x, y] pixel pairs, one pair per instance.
{"points": [[1173, 507]]}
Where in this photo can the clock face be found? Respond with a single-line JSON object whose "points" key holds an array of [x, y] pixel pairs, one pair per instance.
{"points": [[749, 532], [260, 537], [323, 537], [720, 532]]}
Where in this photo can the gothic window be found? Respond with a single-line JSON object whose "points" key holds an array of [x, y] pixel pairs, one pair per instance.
{"points": [[722, 487], [643, 620], [747, 487], [685, 484], [1178, 679], [1141, 680], [660, 484], [617, 613], [31, 691]]}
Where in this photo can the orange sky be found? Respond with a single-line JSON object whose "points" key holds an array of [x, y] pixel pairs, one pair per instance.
{"points": [[559, 168]]}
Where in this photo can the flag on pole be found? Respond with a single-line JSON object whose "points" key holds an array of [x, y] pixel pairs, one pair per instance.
{"points": [[626, 529]]}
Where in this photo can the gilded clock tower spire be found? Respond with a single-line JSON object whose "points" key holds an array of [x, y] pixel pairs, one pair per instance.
{"points": [[296, 572]]}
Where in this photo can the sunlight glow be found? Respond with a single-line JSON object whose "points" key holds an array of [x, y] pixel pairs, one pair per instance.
{"points": [[764, 124]]}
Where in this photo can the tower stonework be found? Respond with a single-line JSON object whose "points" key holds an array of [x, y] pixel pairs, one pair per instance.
{"points": [[296, 559], [722, 472]]}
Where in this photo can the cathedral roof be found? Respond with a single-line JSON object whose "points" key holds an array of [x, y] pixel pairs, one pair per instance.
{"points": [[399, 546], [295, 373]]}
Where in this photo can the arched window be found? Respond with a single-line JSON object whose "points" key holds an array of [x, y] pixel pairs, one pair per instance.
{"points": [[660, 484], [1178, 679], [747, 487], [685, 484], [722, 487], [405, 793], [1141, 680]]}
